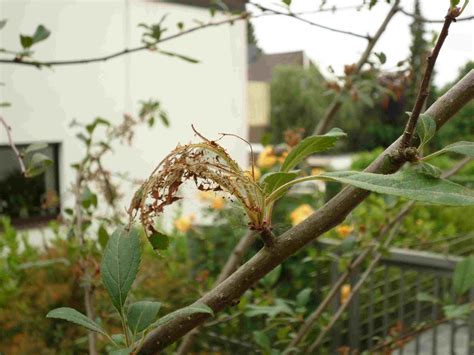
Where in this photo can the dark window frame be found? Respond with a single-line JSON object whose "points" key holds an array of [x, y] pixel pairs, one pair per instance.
{"points": [[39, 221]]}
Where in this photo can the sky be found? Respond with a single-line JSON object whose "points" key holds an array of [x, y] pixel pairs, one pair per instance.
{"points": [[281, 34]]}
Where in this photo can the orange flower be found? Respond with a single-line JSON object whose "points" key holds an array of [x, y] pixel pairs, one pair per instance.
{"points": [[300, 214], [345, 293], [184, 223], [206, 195], [344, 230]]}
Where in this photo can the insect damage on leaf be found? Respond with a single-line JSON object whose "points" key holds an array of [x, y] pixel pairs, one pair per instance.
{"points": [[210, 168]]}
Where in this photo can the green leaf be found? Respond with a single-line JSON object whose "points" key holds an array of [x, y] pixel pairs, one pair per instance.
{"points": [[453, 311], [408, 183], [37, 164], [426, 129], [40, 34], [3, 23], [88, 198], [381, 57], [463, 277], [429, 169], [103, 236], [98, 121], [272, 277], [463, 147], [34, 147], [141, 315], [287, 2], [425, 297], [180, 56], [121, 351], [272, 181], [186, 311], [120, 265], [302, 298], [455, 3], [159, 241], [73, 316], [26, 41], [262, 340], [309, 146]]}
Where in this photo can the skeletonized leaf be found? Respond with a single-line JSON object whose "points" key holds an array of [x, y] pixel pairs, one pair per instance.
{"points": [[410, 184], [142, 314], [73, 316], [120, 265], [311, 145]]}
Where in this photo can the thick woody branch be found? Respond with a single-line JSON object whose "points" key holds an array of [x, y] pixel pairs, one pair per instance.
{"points": [[331, 214], [336, 103]]}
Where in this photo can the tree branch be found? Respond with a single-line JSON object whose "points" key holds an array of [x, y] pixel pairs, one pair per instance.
{"points": [[336, 103], [331, 214], [422, 19], [19, 157], [298, 17], [425, 83]]}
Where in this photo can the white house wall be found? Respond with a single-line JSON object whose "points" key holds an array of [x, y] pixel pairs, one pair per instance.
{"points": [[211, 94]]}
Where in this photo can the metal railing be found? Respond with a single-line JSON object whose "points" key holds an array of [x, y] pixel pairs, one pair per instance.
{"points": [[386, 307]]}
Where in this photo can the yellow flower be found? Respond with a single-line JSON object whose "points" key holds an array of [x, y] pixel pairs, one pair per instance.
{"points": [[317, 171], [300, 214], [206, 196], [184, 223], [345, 293], [282, 157], [256, 171], [344, 230], [267, 158], [218, 203]]}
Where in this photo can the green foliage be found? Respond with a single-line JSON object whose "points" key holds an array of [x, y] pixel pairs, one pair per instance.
{"points": [[464, 148], [120, 265], [186, 311], [311, 145], [73, 316], [463, 278], [298, 100], [141, 315], [40, 34], [426, 129]]}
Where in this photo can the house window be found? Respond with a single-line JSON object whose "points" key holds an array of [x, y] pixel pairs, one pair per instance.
{"points": [[29, 202]]}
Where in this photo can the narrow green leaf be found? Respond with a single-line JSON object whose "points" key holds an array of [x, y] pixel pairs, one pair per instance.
{"points": [[311, 145], [463, 147], [426, 129], [453, 311], [274, 180], [425, 297], [302, 298], [262, 340], [103, 236], [429, 169], [88, 198], [35, 146], [180, 56], [3, 23], [73, 316], [463, 277], [410, 184], [120, 265], [186, 311], [141, 315], [272, 277], [37, 164], [159, 241], [40, 34]]}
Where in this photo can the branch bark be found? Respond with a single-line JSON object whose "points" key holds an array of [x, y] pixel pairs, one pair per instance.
{"points": [[336, 103], [331, 214], [19, 157]]}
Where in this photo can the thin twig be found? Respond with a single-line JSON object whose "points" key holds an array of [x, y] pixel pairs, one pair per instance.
{"points": [[422, 19], [19, 156], [298, 17], [425, 83], [336, 103]]}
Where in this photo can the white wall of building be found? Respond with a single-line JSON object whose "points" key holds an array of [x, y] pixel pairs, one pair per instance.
{"points": [[211, 94]]}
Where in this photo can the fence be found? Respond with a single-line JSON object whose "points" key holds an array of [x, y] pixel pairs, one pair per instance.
{"points": [[387, 307]]}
